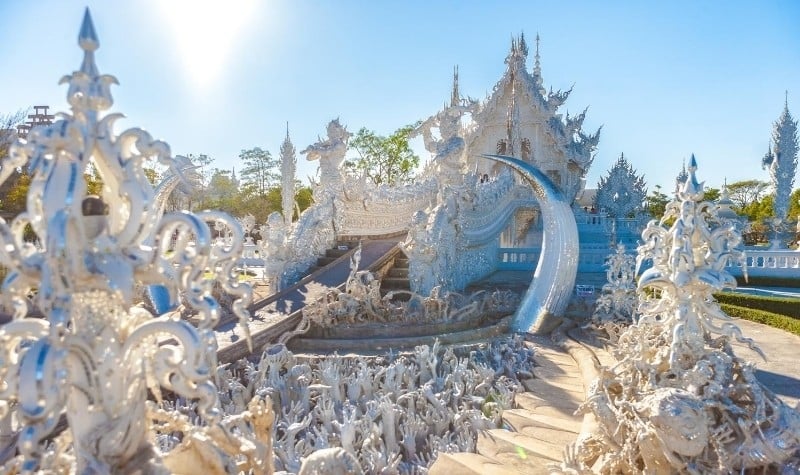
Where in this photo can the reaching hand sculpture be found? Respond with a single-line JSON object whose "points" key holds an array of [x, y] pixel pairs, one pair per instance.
{"points": [[679, 400], [95, 355]]}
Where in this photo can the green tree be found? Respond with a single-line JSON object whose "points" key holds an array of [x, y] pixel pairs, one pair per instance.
{"points": [[260, 172], [304, 198], [8, 129], [222, 194], [760, 209], [656, 202], [15, 200], [711, 194], [746, 192], [794, 205], [382, 159]]}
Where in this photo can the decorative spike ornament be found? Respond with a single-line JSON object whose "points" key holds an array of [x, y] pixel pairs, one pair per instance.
{"points": [[288, 169], [96, 355], [679, 400], [781, 161]]}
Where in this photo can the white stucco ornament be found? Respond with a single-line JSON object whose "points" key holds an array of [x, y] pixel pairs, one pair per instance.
{"points": [[679, 400], [95, 355], [616, 306]]}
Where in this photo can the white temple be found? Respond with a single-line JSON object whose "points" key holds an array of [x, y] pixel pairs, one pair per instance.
{"points": [[520, 118]]}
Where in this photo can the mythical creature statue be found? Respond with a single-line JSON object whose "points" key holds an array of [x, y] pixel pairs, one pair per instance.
{"points": [[274, 248], [679, 400], [330, 153], [448, 150]]}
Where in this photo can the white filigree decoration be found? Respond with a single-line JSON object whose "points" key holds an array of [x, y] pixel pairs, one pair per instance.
{"points": [[96, 355], [616, 306], [679, 400]]}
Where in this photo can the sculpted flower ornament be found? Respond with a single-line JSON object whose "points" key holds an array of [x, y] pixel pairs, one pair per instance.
{"points": [[95, 354]]}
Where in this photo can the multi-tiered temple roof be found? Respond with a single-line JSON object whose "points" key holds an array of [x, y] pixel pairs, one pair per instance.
{"points": [[521, 118]]}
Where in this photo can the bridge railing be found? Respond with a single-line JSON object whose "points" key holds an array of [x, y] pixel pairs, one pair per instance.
{"points": [[769, 263], [761, 263], [591, 258]]}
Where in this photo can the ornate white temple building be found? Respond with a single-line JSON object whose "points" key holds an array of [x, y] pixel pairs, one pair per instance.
{"points": [[521, 118], [467, 216]]}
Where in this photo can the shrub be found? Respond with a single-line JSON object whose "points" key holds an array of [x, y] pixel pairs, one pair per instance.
{"points": [[775, 320], [780, 305], [769, 281]]}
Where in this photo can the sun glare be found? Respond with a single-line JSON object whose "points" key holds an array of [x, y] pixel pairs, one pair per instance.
{"points": [[206, 34]]}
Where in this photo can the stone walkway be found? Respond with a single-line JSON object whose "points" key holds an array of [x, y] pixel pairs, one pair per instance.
{"points": [[780, 372], [535, 433], [537, 430]]}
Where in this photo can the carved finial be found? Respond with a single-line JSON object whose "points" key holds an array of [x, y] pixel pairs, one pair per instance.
{"points": [[87, 40], [287, 130], [523, 45], [692, 189], [786, 101]]}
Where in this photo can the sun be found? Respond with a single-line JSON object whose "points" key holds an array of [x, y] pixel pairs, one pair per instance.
{"points": [[205, 33]]}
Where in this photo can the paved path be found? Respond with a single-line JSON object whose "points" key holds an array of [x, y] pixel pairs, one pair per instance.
{"points": [[781, 372]]}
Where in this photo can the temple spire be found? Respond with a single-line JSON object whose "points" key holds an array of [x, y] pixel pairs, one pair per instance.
{"points": [[455, 97], [681, 178], [691, 189], [288, 172]]}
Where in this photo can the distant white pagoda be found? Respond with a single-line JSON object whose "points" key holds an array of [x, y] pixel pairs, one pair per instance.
{"points": [[781, 161]]}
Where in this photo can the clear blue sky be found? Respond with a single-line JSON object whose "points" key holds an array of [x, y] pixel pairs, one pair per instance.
{"points": [[665, 79]]}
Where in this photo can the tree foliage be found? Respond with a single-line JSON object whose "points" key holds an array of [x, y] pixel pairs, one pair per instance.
{"points": [[8, 129], [746, 192], [260, 171], [656, 202], [711, 194], [388, 160]]}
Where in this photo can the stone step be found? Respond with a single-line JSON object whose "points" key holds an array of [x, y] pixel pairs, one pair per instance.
{"points": [[519, 452], [468, 463], [531, 402], [401, 263], [554, 428], [395, 283], [324, 261], [571, 387], [398, 272]]}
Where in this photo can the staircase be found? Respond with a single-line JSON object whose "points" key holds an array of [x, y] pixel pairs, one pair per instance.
{"points": [[537, 430], [341, 248], [396, 277]]}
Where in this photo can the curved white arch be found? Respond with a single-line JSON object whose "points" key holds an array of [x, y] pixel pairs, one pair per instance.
{"points": [[554, 278]]}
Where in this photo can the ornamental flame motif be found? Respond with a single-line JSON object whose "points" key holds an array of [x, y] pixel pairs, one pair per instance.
{"points": [[95, 353], [679, 400]]}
